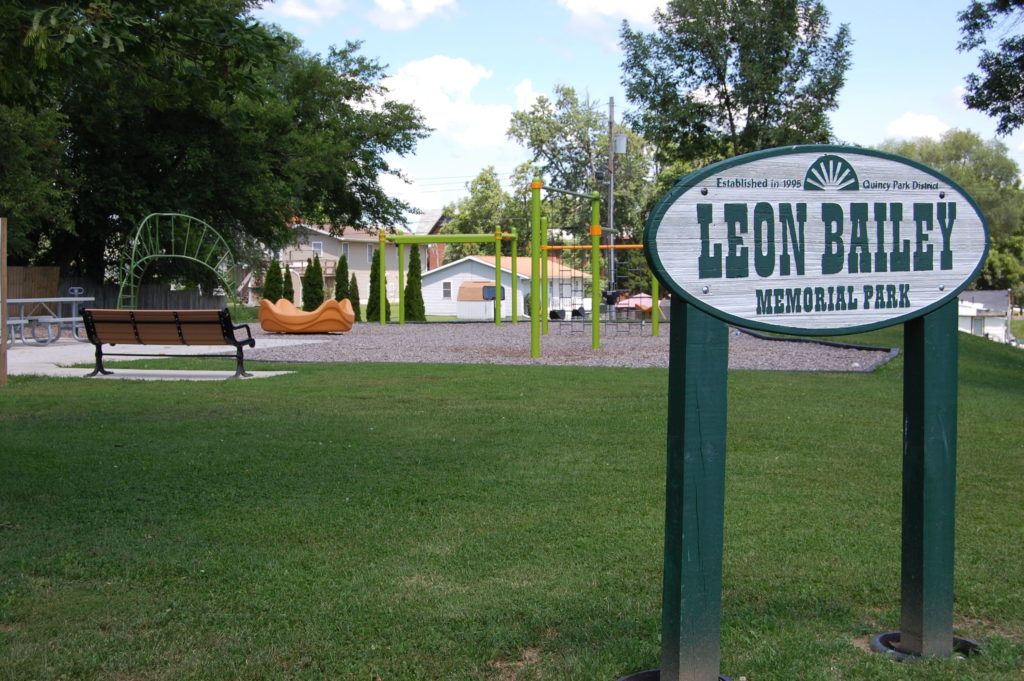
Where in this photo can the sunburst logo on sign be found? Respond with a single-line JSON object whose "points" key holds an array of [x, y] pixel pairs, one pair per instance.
{"points": [[831, 173]]}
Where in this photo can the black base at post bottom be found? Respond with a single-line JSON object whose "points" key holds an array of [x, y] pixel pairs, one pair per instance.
{"points": [[889, 642], [655, 675]]}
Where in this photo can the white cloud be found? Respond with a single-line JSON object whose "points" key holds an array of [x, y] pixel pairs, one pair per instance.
{"points": [[911, 125], [633, 10], [308, 10], [469, 133], [958, 93], [525, 95], [401, 15], [442, 88]]}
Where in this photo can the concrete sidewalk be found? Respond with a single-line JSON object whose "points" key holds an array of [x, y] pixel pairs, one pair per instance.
{"points": [[56, 359]]}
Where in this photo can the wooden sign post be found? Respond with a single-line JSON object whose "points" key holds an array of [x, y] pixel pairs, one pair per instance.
{"points": [[809, 240], [695, 494]]}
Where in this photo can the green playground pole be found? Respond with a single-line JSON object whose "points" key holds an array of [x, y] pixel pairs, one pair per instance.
{"points": [[595, 271], [535, 242], [383, 291], [655, 307], [401, 282], [544, 276], [515, 278], [497, 277]]}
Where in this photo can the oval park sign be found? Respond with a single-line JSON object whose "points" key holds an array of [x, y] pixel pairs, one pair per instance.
{"points": [[816, 240]]}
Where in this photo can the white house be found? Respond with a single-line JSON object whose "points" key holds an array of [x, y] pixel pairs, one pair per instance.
{"points": [[986, 313], [441, 287], [359, 247]]}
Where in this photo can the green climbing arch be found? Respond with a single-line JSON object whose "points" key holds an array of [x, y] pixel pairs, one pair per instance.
{"points": [[173, 235]]}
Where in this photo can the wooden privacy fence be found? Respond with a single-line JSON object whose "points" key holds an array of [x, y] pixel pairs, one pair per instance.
{"points": [[32, 282], [46, 282], [150, 296]]}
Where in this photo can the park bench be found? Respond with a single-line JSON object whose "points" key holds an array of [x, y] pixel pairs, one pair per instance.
{"points": [[164, 327]]}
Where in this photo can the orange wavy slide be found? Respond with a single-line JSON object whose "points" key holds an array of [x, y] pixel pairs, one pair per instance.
{"points": [[284, 317]]}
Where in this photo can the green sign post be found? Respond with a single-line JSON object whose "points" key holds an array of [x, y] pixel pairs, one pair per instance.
{"points": [[929, 483], [695, 494], [810, 240]]}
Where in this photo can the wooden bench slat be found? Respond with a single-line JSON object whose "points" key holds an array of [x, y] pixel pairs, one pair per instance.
{"points": [[163, 327]]}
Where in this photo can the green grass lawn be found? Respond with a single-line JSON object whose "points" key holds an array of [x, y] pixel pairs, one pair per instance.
{"points": [[405, 522]]}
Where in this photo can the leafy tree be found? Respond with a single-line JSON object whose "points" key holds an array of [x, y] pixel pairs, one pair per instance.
{"points": [[983, 169], [353, 292], [718, 79], [287, 287], [568, 137], [415, 311], [181, 45], [304, 280], [35, 186], [341, 287], [313, 285], [1004, 268], [273, 285], [564, 136], [193, 107], [992, 179], [373, 297], [999, 89], [484, 210]]}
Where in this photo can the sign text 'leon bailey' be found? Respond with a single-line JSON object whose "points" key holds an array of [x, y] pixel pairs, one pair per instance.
{"points": [[805, 241]]}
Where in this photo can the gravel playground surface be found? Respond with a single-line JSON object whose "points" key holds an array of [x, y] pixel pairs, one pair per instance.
{"points": [[622, 345]]}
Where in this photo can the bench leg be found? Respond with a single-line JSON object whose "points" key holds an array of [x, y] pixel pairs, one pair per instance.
{"points": [[239, 364], [99, 363]]}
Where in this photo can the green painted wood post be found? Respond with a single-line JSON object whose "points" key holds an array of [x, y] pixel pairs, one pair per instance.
{"points": [[929, 482], [401, 281], [382, 288], [694, 495], [595, 271], [535, 241], [546, 303], [515, 278]]}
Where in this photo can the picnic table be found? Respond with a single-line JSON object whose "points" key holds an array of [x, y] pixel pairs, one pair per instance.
{"points": [[45, 319]]}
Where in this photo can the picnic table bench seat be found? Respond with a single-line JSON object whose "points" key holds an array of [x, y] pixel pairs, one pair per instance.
{"points": [[164, 327]]}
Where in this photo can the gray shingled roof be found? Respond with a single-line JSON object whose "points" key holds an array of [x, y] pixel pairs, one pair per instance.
{"points": [[998, 301]]}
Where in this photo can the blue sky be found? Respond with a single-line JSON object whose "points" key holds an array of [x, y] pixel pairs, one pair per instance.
{"points": [[468, 64]]}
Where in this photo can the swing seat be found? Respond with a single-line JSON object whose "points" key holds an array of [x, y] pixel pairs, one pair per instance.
{"points": [[284, 317]]}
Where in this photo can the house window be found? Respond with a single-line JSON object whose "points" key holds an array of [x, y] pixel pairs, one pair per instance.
{"points": [[318, 248], [344, 250], [371, 251], [446, 290]]}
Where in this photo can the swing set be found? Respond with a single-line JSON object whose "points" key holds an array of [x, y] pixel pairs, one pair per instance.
{"points": [[400, 240], [539, 279]]}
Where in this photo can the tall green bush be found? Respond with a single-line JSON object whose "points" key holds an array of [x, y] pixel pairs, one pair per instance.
{"points": [[272, 282], [287, 288], [304, 278], [313, 286], [373, 296], [353, 296], [341, 288], [414, 308]]}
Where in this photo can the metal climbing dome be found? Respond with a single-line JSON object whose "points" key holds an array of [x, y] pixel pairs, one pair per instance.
{"points": [[174, 235]]}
